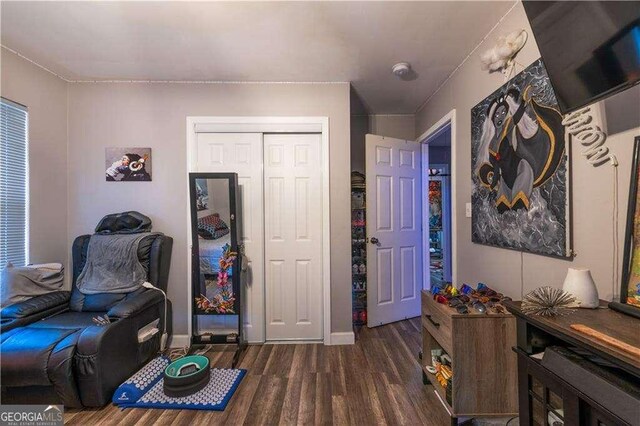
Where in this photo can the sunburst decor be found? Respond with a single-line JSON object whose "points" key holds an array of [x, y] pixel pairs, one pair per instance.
{"points": [[548, 302]]}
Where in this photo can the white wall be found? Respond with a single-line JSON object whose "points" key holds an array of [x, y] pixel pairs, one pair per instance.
{"points": [[45, 96], [592, 187], [359, 128], [154, 115], [440, 148], [400, 126], [71, 124]]}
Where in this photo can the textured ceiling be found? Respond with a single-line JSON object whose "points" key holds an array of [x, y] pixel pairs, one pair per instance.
{"points": [[255, 41]]}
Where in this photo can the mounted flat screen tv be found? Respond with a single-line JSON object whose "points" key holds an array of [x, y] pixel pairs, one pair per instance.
{"points": [[591, 49]]}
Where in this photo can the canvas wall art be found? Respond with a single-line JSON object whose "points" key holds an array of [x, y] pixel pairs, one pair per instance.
{"points": [[630, 289], [128, 164], [520, 168]]}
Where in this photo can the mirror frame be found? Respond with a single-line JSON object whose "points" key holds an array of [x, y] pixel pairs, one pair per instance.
{"points": [[232, 179]]}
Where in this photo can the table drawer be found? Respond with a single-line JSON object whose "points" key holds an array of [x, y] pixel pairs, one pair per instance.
{"points": [[437, 321]]}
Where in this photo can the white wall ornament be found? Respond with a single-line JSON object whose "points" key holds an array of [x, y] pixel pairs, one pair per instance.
{"points": [[500, 56], [582, 126]]}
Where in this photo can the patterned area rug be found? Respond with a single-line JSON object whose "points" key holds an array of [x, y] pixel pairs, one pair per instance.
{"points": [[145, 389]]}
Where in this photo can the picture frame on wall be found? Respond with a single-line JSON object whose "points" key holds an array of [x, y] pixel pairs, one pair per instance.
{"points": [[630, 286], [127, 164]]}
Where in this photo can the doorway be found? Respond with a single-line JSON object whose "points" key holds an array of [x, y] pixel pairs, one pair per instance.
{"points": [[439, 198], [438, 171]]}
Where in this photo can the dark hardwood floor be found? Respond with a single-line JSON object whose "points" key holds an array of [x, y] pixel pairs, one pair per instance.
{"points": [[376, 381]]}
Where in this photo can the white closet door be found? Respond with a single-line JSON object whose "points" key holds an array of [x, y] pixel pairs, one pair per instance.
{"points": [[293, 236], [242, 153]]}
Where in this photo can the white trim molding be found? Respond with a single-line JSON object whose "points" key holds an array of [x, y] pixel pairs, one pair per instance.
{"points": [[144, 81], [271, 125], [179, 341], [342, 338], [449, 120]]}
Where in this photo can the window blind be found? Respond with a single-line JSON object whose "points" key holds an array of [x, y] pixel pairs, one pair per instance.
{"points": [[14, 182]]}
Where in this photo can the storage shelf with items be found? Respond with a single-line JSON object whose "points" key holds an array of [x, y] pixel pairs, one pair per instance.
{"points": [[358, 249], [460, 333], [438, 370]]}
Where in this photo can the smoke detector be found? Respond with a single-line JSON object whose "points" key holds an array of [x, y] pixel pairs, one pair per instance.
{"points": [[401, 69]]}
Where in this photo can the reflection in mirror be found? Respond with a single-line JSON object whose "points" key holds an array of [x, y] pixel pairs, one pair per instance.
{"points": [[215, 293]]}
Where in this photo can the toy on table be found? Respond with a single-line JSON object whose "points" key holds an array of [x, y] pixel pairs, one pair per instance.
{"points": [[479, 306], [466, 289], [483, 299], [441, 299], [462, 309]]}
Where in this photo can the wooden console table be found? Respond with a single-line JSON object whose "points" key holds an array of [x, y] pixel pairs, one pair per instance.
{"points": [[593, 391], [484, 381]]}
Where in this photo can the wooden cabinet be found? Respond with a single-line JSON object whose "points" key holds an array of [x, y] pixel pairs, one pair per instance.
{"points": [[484, 381], [597, 385]]}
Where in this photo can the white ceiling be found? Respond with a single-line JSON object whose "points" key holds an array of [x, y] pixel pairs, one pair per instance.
{"points": [[255, 41]]}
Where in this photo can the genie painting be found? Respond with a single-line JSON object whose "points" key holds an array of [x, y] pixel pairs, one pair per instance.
{"points": [[520, 168]]}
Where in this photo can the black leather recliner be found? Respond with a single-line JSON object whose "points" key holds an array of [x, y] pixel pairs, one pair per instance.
{"points": [[51, 351]]}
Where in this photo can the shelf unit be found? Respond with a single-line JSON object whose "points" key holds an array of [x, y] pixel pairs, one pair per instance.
{"points": [[484, 381], [358, 255]]}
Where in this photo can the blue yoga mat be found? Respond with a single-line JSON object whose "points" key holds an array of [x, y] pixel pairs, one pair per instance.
{"points": [[145, 389]]}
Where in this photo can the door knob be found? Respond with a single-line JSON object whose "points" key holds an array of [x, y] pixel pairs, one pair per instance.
{"points": [[374, 240]]}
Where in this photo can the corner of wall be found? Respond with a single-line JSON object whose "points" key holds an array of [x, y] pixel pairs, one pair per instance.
{"points": [[69, 240]]}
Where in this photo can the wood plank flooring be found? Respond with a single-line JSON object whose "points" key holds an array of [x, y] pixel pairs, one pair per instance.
{"points": [[376, 381]]}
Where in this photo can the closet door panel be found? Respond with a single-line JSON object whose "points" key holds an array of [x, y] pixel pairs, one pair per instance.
{"points": [[293, 236], [241, 153]]}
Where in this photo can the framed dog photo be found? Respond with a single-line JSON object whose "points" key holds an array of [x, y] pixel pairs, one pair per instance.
{"points": [[127, 164]]}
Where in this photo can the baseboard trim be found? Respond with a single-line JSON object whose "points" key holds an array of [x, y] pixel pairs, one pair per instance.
{"points": [[179, 341], [342, 338], [337, 338], [182, 340]]}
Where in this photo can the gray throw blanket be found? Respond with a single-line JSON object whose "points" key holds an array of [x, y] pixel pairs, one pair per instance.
{"points": [[112, 264]]}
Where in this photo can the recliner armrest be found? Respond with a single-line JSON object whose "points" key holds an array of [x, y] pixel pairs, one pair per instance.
{"points": [[38, 304], [106, 355], [135, 304]]}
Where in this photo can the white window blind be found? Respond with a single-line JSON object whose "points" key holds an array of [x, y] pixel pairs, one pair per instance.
{"points": [[14, 183]]}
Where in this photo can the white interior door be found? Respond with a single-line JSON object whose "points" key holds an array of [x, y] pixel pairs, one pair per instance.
{"points": [[241, 153], [293, 236], [394, 229]]}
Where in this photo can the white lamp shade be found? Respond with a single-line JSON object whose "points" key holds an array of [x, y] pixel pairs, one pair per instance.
{"points": [[580, 284]]}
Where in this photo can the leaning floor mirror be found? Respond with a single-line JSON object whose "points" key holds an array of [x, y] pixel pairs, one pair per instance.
{"points": [[215, 258]]}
